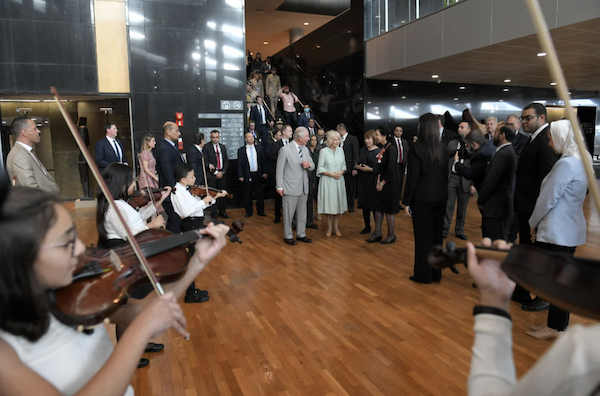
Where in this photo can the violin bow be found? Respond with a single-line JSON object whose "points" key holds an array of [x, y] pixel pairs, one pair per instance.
{"points": [[205, 178], [562, 90], [96, 172]]}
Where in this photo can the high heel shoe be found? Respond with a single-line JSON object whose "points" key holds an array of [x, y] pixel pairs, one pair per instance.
{"points": [[374, 239], [387, 242]]}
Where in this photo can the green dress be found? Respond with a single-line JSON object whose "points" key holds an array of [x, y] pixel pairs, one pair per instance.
{"points": [[332, 192]]}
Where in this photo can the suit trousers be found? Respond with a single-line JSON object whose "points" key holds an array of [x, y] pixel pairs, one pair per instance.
{"points": [[350, 188], [256, 185], [455, 192], [520, 292], [494, 228], [188, 224], [221, 204], [294, 204], [173, 220], [428, 223]]}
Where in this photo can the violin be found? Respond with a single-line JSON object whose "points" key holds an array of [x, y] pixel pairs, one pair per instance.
{"points": [[103, 278], [201, 191], [567, 282], [141, 198]]}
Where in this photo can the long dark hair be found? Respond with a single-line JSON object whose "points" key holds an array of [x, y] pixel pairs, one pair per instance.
{"points": [[25, 218], [118, 177], [429, 135]]}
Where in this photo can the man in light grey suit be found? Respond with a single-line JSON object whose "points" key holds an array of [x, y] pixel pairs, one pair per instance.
{"points": [[22, 163], [293, 163]]}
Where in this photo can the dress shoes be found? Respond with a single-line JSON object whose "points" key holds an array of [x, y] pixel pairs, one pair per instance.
{"points": [[461, 236], [388, 241], [143, 363], [195, 297], [248, 214], [262, 215], [374, 239], [152, 347], [313, 226], [304, 239], [223, 215], [412, 278], [277, 220], [351, 210], [536, 305], [290, 241], [201, 292], [366, 230]]}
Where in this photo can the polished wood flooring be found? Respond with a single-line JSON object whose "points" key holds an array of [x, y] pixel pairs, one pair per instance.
{"points": [[335, 317]]}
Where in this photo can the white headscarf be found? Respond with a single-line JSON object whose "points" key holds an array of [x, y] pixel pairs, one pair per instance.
{"points": [[563, 139]]}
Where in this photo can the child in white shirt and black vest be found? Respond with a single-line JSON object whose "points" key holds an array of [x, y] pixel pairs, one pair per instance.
{"points": [[191, 210]]}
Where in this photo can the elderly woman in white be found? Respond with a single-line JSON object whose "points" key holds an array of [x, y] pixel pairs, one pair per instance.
{"points": [[332, 200], [557, 223]]}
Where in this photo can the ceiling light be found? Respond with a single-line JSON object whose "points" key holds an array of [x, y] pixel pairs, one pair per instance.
{"points": [[376, 16], [318, 46], [553, 84], [455, 98], [349, 31], [434, 76], [305, 23], [463, 87], [507, 81], [265, 42], [501, 100], [404, 97], [505, 89], [259, 11], [416, 104], [541, 54], [394, 84]]}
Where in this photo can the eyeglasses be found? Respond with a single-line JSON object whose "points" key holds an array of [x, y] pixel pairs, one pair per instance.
{"points": [[527, 118], [72, 242]]}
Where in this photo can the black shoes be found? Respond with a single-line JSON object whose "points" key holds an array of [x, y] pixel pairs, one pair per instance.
{"points": [[248, 214], [262, 215], [461, 236], [277, 220], [304, 239], [366, 230], [536, 305], [198, 296], [374, 239], [313, 226], [351, 210], [389, 240], [223, 215], [412, 278], [143, 363], [152, 347], [290, 241]]}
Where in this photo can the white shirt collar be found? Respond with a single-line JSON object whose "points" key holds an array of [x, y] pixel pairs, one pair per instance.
{"points": [[537, 132], [198, 147], [170, 142], [250, 146], [296, 144], [111, 139], [503, 145], [29, 148]]}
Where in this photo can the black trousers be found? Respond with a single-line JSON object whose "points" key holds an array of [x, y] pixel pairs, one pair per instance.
{"points": [[174, 220], [221, 204], [254, 184], [188, 224], [428, 223], [558, 319], [350, 188], [520, 292], [291, 119], [494, 228]]}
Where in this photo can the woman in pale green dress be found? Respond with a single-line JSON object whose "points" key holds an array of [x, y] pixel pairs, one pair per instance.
{"points": [[332, 200]]}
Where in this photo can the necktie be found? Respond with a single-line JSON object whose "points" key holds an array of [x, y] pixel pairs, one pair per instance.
{"points": [[300, 152], [117, 151], [285, 142], [219, 167], [342, 143], [399, 149], [252, 165], [262, 115]]}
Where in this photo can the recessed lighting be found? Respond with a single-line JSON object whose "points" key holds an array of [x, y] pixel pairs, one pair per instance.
{"points": [[463, 87], [305, 23], [416, 104], [541, 54], [394, 84], [455, 98], [368, 102], [376, 16], [318, 46], [265, 42], [505, 89], [507, 81], [404, 97], [501, 100], [434, 76], [412, 108], [553, 84], [349, 31]]}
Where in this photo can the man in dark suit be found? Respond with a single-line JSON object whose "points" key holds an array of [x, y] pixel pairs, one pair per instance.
{"points": [[305, 117], [251, 170], [349, 144], [483, 151], [195, 157], [262, 118], [458, 186], [217, 163], [401, 161], [446, 135], [535, 162], [274, 154], [519, 143], [167, 158], [110, 149], [321, 138], [496, 197]]}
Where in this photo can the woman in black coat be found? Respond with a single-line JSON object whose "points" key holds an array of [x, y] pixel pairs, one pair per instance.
{"points": [[368, 168], [385, 202], [426, 194]]}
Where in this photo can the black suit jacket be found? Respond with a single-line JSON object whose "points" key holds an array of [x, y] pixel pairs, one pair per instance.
{"points": [[194, 158], [478, 166], [303, 118], [405, 150], [535, 162], [210, 157], [274, 152], [496, 193], [255, 116], [244, 165], [105, 153], [167, 158], [448, 135], [425, 182], [351, 152], [519, 143]]}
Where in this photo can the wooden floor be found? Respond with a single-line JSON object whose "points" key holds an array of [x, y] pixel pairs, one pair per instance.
{"points": [[335, 317]]}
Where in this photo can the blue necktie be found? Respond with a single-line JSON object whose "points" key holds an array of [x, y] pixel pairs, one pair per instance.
{"points": [[252, 166], [300, 152]]}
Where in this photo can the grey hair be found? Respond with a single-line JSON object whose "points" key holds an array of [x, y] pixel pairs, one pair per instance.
{"points": [[18, 124], [513, 116], [330, 136], [491, 118], [300, 132]]}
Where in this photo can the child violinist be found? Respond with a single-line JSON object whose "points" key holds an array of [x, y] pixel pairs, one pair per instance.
{"points": [[191, 210], [38, 354]]}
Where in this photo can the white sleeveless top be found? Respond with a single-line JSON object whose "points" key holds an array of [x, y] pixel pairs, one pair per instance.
{"points": [[63, 356]]}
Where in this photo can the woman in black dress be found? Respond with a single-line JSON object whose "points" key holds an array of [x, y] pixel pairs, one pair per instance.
{"points": [[368, 168], [426, 194], [385, 202]]}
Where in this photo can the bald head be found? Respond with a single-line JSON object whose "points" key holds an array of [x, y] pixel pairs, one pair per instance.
{"points": [[171, 131]]}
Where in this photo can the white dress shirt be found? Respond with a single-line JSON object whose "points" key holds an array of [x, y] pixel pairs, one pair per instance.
{"points": [[343, 140], [199, 149], [252, 157], [218, 153], [187, 205], [134, 219], [116, 148], [30, 149], [400, 148], [537, 131]]}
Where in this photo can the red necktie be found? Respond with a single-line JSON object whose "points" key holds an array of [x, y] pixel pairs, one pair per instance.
{"points": [[219, 167]]}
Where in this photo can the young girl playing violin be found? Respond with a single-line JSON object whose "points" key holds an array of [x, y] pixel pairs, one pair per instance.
{"points": [[120, 182], [191, 210], [38, 354]]}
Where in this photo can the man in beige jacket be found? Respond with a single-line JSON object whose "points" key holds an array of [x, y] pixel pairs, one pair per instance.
{"points": [[22, 162]]}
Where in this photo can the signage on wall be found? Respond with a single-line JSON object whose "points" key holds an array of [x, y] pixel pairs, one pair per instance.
{"points": [[231, 105], [230, 125]]}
